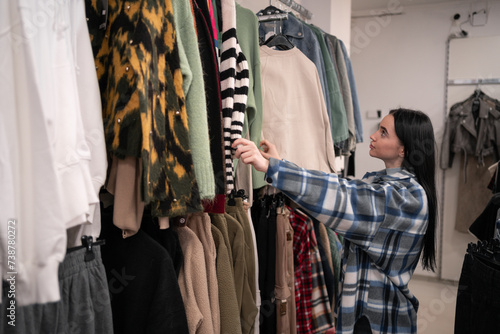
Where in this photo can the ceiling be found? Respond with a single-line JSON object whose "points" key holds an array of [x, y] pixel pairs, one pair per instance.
{"points": [[359, 5]]}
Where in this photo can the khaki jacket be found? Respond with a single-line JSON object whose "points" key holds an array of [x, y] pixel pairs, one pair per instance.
{"points": [[472, 132]]}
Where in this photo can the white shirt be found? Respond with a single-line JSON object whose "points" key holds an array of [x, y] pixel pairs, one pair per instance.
{"points": [[47, 169]]}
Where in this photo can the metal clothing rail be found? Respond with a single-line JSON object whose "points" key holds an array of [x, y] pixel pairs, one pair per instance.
{"points": [[495, 81], [299, 8]]}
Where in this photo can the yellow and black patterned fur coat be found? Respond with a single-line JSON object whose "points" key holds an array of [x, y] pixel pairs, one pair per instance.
{"points": [[144, 114]]}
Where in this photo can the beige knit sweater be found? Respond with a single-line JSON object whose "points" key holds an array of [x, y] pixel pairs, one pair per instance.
{"points": [[193, 283], [200, 224]]}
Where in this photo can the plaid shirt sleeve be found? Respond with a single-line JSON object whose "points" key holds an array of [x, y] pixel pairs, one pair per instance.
{"points": [[355, 209]]}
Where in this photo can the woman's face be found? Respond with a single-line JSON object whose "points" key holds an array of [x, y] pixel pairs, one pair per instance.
{"points": [[386, 145]]}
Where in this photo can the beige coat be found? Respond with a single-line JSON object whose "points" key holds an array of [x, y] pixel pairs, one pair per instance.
{"points": [[229, 311], [201, 226]]}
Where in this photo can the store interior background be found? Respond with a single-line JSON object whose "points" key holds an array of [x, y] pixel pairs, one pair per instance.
{"points": [[400, 60]]}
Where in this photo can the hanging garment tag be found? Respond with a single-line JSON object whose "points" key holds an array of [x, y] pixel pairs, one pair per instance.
{"points": [[283, 307]]}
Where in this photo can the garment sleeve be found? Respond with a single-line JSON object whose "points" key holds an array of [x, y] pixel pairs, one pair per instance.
{"points": [[353, 208], [354, 94]]}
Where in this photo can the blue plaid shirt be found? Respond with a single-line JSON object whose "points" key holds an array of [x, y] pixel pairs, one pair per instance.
{"points": [[383, 218]]}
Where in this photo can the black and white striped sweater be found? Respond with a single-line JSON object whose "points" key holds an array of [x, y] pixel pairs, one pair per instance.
{"points": [[234, 80]]}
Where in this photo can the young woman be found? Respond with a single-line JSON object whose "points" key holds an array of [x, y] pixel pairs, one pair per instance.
{"points": [[388, 219]]}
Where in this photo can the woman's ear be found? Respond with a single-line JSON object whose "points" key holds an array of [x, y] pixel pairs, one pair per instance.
{"points": [[402, 152]]}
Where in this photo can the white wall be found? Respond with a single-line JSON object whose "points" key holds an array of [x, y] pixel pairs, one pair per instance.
{"points": [[256, 5], [333, 16], [401, 61]]}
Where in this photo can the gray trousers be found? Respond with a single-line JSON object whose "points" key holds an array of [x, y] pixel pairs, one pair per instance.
{"points": [[85, 306]]}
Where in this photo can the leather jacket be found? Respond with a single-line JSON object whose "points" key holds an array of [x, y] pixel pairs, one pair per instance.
{"points": [[472, 127]]}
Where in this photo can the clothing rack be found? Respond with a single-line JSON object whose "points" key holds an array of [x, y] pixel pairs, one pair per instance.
{"points": [[494, 81], [299, 8]]}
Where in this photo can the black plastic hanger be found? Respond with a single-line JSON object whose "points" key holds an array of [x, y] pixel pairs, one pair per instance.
{"points": [[272, 10], [272, 13], [280, 41], [486, 251], [230, 198]]}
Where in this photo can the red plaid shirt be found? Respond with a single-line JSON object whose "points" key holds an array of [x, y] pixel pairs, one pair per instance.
{"points": [[303, 278]]}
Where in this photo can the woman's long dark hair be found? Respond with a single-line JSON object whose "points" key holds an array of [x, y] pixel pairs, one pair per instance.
{"points": [[414, 130]]}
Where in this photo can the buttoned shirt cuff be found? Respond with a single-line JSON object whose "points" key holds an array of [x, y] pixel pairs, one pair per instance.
{"points": [[275, 165], [272, 171]]}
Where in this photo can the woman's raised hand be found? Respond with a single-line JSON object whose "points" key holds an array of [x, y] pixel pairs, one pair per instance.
{"points": [[269, 150], [248, 153]]}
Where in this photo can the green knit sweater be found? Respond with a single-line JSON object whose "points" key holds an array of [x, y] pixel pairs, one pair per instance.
{"points": [[194, 90]]}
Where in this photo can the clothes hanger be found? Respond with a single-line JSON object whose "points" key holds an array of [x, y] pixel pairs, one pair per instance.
{"points": [[241, 194], [230, 198], [478, 92], [486, 251], [279, 41], [271, 9], [88, 243], [272, 13]]}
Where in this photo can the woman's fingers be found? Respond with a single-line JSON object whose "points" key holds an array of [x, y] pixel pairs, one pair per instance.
{"points": [[269, 150], [241, 145], [248, 153], [241, 141]]}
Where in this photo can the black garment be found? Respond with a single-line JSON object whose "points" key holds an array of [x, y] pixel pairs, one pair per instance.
{"points": [[145, 294], [351, 162], [484, 226], [264, 220], [362, 326], [210, 67], [218, 7], [478, 298], [95, 23], [168, 238]]}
